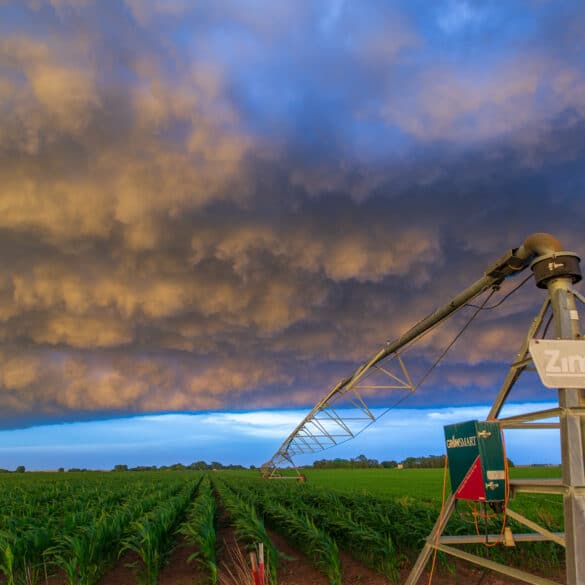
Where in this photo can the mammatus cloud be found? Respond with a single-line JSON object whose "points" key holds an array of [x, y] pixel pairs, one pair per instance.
{"points": [[205, 207]]}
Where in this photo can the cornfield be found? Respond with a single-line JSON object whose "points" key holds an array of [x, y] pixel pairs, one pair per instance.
{"points": [[79, 527]]}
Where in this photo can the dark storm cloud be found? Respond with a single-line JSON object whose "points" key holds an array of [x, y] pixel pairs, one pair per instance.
{"points": [[218, 205]]}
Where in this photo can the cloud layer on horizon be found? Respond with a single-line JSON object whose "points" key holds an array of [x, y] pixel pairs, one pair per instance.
{"points": [[211, 205]]}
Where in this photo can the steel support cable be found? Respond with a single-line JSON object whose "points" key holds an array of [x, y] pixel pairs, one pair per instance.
{"points": [[482, 307], [454, 340], [431, 329], [412, 342], [429, 371], [505, 297], [489, 280], [479, 308]]}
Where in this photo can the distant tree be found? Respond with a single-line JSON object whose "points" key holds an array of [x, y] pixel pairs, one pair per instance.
{"points": [[389, 464], [61, 469], [363, 462], [20, 469], [430, 461], [199, 465], [252, 467], [120, 467], [511, 463]]}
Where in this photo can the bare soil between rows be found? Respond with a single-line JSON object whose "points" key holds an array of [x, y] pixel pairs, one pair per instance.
{"points": [[299, 571], [296, 569]]}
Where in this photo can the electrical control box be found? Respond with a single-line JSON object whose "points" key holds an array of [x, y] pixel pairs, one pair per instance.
{"points": [[477, 463]]}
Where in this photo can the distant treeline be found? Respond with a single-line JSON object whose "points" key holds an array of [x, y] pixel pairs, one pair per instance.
{"points": [[19, 469], [359, 462], [196, 466], [363, 462]]}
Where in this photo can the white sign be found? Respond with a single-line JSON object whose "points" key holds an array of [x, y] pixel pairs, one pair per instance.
{"points": [[560, 363]]}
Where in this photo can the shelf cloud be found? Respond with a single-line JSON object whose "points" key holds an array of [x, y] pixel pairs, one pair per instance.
{"points": [[211, 206]]}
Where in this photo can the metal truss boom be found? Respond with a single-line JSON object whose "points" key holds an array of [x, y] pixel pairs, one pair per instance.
{"points": [[323, 427]]}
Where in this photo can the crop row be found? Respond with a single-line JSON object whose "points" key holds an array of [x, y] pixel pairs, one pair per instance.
{"points": [[199, 529], [82, 535], [248, 525], [395, 528], [319, 531]]}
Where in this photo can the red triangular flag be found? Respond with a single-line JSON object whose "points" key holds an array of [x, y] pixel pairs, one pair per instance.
{"points": [[472, 488]]}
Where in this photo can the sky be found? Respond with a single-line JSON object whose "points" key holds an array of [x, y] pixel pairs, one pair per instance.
{"points": [[225, 206], [248, 438]]}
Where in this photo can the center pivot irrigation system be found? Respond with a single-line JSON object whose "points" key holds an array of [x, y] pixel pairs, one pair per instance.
{"points": [[558, 353]]}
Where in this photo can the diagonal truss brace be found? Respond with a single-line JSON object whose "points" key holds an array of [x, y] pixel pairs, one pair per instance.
{"points": [[327, 426]]}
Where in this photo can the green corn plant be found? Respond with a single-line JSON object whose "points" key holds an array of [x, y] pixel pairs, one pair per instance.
{"points": [[20, 553], [374, 548], [148, 543], [79, 555], [84, 555], [310, 539], [39, 512], [324, 549], [199, 530], [67, 555], [151, 537], [363, 526], [7, 558], [249, 527], [84, 552]]}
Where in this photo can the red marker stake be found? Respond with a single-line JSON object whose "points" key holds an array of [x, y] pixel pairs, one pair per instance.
{"points": [[254, 569], [261, 562]]}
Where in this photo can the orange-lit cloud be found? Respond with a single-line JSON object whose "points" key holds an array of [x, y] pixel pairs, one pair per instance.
{"points": [[206, 207]]}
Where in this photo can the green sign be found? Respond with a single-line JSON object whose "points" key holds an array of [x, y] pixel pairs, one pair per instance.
{"points": [[476, 461]]}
